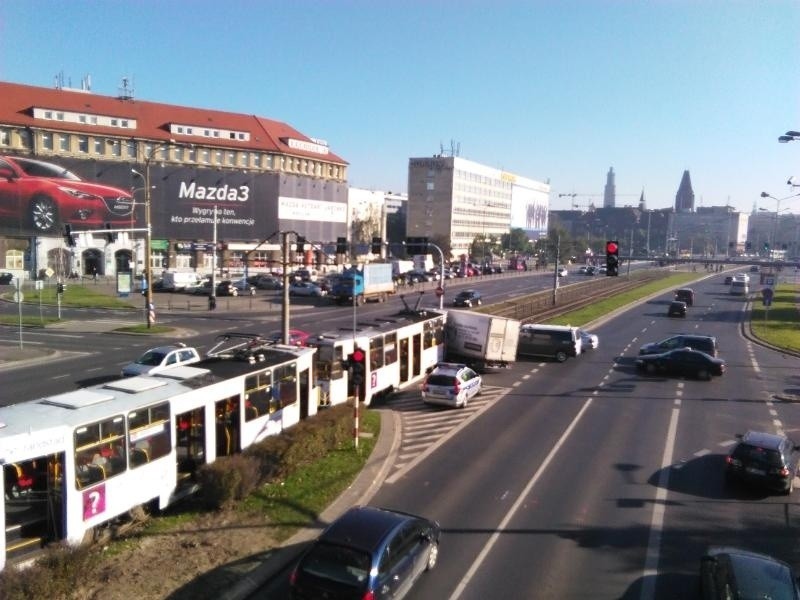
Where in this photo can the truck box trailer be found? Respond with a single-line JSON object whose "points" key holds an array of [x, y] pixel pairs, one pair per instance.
{"points": [[480, 340], [372, 281]]}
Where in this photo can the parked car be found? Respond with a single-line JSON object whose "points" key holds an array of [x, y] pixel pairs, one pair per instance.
{"points": [[676, 308], [367, 553], [468, 298], [297, 337], [704, 343], [602, 270], [43, 195], [161, 358], [685, 295], [754, 268], [305, 288], [727, 573], [767, 460], [588, 340], [562, 271], [267, 282], [244, 288], [225, 288], [6, 278], [416, 276], [685, 361], [451, 384]]}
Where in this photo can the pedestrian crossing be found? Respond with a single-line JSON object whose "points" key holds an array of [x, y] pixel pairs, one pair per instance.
{"points": [[424, 426]]}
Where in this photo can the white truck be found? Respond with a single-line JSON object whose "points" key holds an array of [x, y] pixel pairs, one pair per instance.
{"points": [[479, 340], [370, 282], [177, 281]]}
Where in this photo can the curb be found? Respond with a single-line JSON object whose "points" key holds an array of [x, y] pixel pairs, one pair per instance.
{"points": [[363, 488]]}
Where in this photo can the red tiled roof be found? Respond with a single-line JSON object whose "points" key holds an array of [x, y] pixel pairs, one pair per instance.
{"points": [[152, 120]]}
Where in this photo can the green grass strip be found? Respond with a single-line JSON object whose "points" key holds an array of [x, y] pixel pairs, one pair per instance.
{"points": [[779, 325]]}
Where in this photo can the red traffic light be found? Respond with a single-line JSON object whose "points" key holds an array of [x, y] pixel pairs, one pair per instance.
{"points": [[612, 247], [358, 355]]}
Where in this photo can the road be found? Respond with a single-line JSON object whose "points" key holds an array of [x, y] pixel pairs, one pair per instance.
{"points": [[588, 480]]}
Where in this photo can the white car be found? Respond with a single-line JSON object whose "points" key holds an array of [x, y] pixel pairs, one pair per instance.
{"points": [[588, 340], [161, 358], [305, 288], [562, 271], [451, 384], [742, 277]]}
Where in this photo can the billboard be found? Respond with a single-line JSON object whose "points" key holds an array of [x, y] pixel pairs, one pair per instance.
{"points": [[529, 208], [38, 197]]}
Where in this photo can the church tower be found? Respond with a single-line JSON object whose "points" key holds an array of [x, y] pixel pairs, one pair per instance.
{"points": [[610, 193], [684, 199]]}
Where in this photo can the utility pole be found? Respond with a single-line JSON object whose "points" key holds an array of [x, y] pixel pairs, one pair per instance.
{"points": [[555, 272]]}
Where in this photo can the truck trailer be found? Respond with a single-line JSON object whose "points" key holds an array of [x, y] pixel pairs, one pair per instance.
{"points": [[369, 282], [479, 340]]}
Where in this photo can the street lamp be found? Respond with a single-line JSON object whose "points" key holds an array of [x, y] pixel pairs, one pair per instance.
{"points": [[149, 155], [777, 209]]}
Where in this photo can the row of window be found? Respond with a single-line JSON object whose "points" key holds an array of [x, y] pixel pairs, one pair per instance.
{"points": [[482, 179], [270, 391], [81, 144]]}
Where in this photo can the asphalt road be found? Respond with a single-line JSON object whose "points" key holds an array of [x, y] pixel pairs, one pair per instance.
{"points": [[588, 480]]}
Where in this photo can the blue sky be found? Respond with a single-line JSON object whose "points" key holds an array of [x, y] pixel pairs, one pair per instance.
{"points": [[558, 90]]}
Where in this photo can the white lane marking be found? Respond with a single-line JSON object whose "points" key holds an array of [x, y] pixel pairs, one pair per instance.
{"points": [[727, 443], [659, 508], [701, 453], [60, 376], [517, 503]]}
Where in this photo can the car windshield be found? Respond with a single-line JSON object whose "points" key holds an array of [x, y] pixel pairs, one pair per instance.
{"points": [[40, 169], [152, 358], [340, 564], [758, 578]]}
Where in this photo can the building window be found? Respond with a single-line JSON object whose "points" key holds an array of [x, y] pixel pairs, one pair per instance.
{"points": [[47, 141], [130, 149], [114, 122], [183, 260], [231, 158], [81, 118], [179, 153], [63, 142], [124, 123], [244, 159], [192, 155], [116, 147], [14, 259], [205, 156], [98, 145], [60, 116], [218, 157], [48, 114]]}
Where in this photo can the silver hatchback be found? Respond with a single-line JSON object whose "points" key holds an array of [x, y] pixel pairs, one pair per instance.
{"points": [[451, 384]]}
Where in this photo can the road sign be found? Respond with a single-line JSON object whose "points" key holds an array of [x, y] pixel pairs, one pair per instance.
{"points": [[766, 296], [440, 291]]}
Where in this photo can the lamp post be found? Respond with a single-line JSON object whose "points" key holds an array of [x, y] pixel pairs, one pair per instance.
{"points": [[777, 211], [149, 154], [440, 290]]}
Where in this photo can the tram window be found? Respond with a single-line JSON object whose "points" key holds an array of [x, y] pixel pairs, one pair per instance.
{"points": [[258, 390], [99, 450], [376, 352], [149, 433], [390, 349], [434, 333], [284, 389]]}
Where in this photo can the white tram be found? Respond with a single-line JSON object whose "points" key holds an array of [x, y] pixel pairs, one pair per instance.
{"points": [[399, 349], [78, 461]]}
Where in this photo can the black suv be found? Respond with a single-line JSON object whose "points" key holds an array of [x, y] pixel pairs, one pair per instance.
{"points": [[727, 572], [766, 459], [685, 295], [704, 343], [468, 298]]}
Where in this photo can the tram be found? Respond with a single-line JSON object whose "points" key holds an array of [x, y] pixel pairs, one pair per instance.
{"points": [[78, 463]]}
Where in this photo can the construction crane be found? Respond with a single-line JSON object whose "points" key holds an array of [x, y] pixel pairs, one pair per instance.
{"points": [[590, 206]]}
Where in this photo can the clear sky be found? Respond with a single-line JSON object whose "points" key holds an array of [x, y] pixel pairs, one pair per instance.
{"points": [[559, 90]]}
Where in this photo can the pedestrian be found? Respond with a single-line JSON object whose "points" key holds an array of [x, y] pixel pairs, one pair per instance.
{"points": [[94, 273]]}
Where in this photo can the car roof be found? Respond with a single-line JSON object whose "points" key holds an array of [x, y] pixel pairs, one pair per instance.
{"points": [[762, 439], [445, 367], [364, 527], [166, 349], [677, 302]]}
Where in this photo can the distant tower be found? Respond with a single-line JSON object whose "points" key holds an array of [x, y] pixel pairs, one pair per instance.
{"points": [[642, 203], [684, 199], [610, 193]]}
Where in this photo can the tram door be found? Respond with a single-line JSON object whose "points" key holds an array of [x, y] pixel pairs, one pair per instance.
{"points": [[305, 391], [227, 426], [191, 441], [416, 358], [404, 360]]}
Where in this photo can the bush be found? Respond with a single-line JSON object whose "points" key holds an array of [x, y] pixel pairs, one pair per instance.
{"points": [[57, 574]]}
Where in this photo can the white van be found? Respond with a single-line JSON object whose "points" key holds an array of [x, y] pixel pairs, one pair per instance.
{"points": [[178, 281], [739, 287]]}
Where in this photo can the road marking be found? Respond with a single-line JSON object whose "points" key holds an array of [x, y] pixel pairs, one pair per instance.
{"points": [[659, 508], [517, 503]]}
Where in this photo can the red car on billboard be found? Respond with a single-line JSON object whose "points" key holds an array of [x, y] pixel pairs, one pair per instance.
{"points": [[39, 196]]}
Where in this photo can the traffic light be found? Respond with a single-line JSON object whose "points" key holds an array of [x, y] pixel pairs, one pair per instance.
{"points": [[68, 235], [612, 258], [377, 245], [301, 243], [110, 236], [341, 245], [748, 245], [766, 245], [357, 363], [60, 288]]}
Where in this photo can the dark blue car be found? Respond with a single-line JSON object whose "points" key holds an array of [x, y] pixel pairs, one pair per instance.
{"points": [[367, 553]]}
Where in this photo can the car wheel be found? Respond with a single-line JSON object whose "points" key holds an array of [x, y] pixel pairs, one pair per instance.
{"points": [[44, 213], [704, 374], [650, 368], [561, 356], [234, 292], [433, 556]]}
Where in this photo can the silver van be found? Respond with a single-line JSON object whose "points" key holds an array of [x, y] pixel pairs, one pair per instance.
{"points": [[551, 341], [739, 288]]}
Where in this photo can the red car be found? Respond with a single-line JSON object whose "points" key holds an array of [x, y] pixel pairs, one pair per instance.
{"points": [[40, 196]]}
